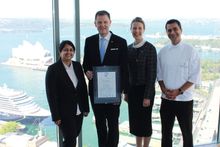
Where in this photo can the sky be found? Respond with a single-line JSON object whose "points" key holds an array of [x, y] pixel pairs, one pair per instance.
{"points": [[119, 9]]}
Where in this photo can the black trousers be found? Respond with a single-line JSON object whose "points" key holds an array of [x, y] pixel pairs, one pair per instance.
{"points": [[71, 127], [183, 111], [106, 120]]}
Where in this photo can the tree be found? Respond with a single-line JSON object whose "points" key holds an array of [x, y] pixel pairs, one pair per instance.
{"points": [[9, 127]]}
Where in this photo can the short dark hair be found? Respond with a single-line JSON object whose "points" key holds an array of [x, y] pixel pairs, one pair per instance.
{"points": [[173, 21], [138, 19], [102, 12], [64, 42]]}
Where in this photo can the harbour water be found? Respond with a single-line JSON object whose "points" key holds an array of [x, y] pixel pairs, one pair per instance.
{"points": [[33, 81]]}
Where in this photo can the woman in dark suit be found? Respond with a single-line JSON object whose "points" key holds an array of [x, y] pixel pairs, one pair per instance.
{"points": [[142, 61], [67, 94]]}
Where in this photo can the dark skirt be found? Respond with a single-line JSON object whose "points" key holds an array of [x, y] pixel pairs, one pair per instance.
{"points": [[139, 116]]}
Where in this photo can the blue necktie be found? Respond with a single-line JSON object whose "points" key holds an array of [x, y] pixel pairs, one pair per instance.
{"points": [[102, 48]]}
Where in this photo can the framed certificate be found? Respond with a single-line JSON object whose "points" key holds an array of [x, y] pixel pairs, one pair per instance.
{"points": [[106, 84]]}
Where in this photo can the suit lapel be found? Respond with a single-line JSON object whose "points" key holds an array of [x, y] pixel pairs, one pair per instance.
{"points": [[65, 75], [63, 70], [98, 50], [111, 41], [76, 70]]}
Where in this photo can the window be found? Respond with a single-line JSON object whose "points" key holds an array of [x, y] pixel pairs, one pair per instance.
{"points": [[200, 29], [26, 51]]}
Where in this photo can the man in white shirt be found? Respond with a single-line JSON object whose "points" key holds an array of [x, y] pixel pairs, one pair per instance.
{"points": [[178, 72]]}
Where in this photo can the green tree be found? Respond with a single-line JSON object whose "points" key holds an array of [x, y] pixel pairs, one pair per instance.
{"points": [[210, 70], [9, 127]]}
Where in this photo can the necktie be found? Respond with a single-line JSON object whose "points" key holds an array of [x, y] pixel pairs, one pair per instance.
{"points": [[102, 48]]}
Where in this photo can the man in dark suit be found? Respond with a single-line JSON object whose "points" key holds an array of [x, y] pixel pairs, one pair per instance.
{"points": [[115, 54], [67, 94]]}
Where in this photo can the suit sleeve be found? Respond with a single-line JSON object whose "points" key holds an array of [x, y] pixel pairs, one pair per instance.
{"points": [[51, 91], [86, 61], [84, 94], [151, 69]]}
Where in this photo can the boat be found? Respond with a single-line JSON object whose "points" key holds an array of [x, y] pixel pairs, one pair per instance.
{"points": [[28, 55], [18, 106]]}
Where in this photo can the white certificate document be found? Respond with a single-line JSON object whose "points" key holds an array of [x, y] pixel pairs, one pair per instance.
{"points": [[106, 84]]}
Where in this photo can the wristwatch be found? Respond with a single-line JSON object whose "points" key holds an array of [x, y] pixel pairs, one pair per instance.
{"points": [[180, 91]]}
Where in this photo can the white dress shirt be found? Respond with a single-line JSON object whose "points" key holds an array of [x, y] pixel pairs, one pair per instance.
{"points": [[72, 76], [178, 64]]}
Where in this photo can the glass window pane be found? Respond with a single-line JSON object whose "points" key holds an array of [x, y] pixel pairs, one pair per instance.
{"points": [[201, 29], [67, 20], [26, 51]]}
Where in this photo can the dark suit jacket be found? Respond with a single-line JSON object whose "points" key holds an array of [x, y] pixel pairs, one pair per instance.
{"points": [[116, 55], [62, 96]]}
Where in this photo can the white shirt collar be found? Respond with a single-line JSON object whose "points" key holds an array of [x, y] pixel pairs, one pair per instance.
{"points": [[139, 44], [107, 37], [68, 67], [176, 45]]}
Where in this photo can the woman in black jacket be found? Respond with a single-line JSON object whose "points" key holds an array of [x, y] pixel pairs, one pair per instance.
{"points": [[142, 61], [67, 94]]}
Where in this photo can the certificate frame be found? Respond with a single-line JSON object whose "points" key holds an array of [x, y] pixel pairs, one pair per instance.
{"points": [[102, 93]]}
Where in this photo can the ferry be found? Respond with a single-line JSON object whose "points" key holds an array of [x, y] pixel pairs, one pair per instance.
{"points": [[18, 106], [28, 55]]}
